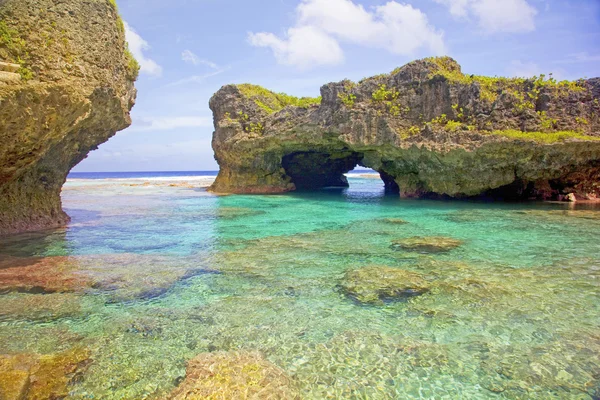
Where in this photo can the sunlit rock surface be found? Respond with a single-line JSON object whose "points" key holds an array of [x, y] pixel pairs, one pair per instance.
{"points": [[234, 375], [427, 128], [75, 93], [41, 377]]}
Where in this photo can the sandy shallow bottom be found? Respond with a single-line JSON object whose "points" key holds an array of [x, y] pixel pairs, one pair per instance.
{"points": [[158, 289]]}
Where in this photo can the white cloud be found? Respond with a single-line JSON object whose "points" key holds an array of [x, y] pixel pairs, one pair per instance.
{"points": [[138, 46], [304, 47], [576, 58], [144, 124], [512, 16], [190, 57], [322, 24]]}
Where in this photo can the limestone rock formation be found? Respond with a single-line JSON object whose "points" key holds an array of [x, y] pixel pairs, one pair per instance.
{"points": [[71, 91], [429, 130]]}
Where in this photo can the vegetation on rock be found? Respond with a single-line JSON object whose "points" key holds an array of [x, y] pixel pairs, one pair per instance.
{"points": [[543, 137], [429, 130], [76, 91], [272, 102]]}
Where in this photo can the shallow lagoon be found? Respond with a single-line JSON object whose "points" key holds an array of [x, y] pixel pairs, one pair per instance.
{"points": [[146, 277]]}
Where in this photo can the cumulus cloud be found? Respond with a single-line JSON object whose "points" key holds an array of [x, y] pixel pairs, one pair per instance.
{"points": [[138, 46], [304, 47], [512, 16], [169, 123], [322, 24]]}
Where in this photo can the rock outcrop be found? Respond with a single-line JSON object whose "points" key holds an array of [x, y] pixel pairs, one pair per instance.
{"points": [[72, 91], [427, 128]]}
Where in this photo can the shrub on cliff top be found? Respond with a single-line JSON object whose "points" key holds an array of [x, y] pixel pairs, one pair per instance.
{"points": [[272, 102], [543, 137], [492, 86]]}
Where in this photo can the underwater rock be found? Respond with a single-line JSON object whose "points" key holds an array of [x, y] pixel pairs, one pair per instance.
{"points": [[41, 377], [429, 244], [75, 93], [39, 307], [42, 275], [234, 375], [375, 284], [122, 277], [394, 221], [428, 129], [563, 215], [237, 212]]}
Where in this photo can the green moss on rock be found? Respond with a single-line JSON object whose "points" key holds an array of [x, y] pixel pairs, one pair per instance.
{"points": [[429, 130], [272, 102], [543, 137]]}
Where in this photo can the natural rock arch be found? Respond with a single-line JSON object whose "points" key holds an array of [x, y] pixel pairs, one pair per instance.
{"points": [[427, 128], [312, 170]]}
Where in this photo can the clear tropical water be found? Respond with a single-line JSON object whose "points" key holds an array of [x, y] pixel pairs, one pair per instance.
{"points": [[513, 313]]}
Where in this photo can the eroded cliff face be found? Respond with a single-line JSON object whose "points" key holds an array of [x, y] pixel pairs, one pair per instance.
{"points": [[73, 91], [427, 128]]}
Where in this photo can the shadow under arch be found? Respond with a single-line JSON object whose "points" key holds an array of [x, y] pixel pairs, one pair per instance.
{"points": [[315, 169]]}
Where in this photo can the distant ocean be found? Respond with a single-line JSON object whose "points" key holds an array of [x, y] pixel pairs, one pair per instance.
{"points": [[161, 174], [141, 174]]}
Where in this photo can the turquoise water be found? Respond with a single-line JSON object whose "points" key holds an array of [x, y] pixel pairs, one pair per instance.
{"points": [[149, 276]]}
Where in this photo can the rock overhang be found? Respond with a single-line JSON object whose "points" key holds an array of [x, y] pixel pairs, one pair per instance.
{"points": [[429, 129]]}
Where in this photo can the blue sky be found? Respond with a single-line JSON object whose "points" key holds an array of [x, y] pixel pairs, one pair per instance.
{"points": [[188, 49]]}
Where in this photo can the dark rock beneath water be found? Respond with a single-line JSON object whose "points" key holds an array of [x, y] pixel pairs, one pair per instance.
{"points": [[394, 221], [376, 284], [433, 244]]}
